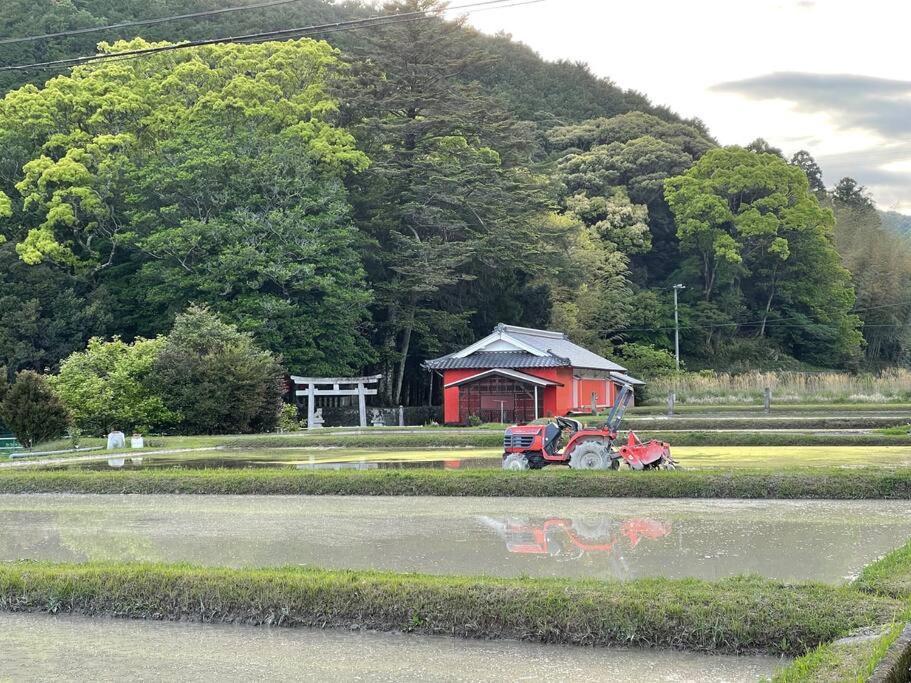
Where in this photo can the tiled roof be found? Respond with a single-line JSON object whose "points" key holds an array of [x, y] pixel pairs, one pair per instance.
{"points": [[578, 356], [497, 359], [557, 350]]}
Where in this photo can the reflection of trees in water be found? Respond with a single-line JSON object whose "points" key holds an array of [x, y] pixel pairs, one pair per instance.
{"points": [[575, 539]]}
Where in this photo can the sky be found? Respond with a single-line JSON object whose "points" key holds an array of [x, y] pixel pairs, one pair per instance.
{"points": [[829, 76]]}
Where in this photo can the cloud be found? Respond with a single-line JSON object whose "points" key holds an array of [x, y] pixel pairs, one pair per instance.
{"points": [[878, 106]]}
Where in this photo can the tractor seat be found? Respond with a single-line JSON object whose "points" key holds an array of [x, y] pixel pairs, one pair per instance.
{"points": [[551, 436]]}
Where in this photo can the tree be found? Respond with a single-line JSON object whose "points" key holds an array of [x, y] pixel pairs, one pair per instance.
{"points": [[762, 146], [216, 378], [211, 175], [805, 161], [757, 237], [880, 263], [31, 410], [107, 386], [445, 200], [45, 313], [634, 153], [849, 191]]}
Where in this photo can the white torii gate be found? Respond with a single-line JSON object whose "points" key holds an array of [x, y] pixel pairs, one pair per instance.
{"points": [[340, 386]]}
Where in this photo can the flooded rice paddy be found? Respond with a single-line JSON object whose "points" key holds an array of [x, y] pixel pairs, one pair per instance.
{"points": [[691, 457], [46, 648], [828, 541]]}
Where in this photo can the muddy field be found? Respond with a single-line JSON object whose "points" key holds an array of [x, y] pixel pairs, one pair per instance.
{"points": [[42, 648]]}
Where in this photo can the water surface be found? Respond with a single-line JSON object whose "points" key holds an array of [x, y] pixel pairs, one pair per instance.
{"points": [[547, 537], [46, 648]]}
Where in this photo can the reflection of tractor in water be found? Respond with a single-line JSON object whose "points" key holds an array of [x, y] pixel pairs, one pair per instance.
{"points": [[568, 539]]}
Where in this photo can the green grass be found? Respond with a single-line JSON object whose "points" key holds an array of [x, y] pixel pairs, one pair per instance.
{"points": [[816, 483], [855, 661], [890, 575], [852, 662], [740, 615]]}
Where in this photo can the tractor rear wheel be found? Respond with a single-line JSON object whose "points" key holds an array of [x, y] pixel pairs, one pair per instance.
{"points": [[516, 461], [590, 455]]}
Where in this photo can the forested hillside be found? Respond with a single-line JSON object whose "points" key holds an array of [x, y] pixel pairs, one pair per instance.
{"points": [[366, 204], [898, 223]]}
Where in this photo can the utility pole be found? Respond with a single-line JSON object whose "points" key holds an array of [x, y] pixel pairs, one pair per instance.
{"points": [[677, 288]]}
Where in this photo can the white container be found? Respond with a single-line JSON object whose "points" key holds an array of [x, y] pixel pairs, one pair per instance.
{"points": [[136, 441]]}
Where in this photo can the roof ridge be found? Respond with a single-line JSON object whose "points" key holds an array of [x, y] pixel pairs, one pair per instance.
{"points": [[531, 331]]}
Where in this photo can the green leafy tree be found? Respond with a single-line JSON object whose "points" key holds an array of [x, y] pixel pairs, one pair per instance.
{"points": [[216, 378], [210, 175], [634, 153], [31, 410], [590, 288], [107, 386], [45, 313], [751, 227], [646, 361]]}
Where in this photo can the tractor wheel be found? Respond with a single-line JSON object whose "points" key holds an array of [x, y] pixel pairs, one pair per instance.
{"points": [[515, 461], [614, 463], [590, 455]]}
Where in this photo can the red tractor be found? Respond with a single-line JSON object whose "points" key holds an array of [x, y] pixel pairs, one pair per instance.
{"points": [[536, 446]]}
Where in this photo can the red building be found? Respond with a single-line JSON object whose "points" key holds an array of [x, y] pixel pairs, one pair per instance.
{"points": [[517, 374]]}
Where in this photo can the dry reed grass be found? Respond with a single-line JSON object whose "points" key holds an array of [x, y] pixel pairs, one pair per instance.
{"points": [[788, 387]]}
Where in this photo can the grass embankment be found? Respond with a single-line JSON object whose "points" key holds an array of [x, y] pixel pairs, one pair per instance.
{"points": [[692, 423], [856, 658], [734, 615], [818, 483]]}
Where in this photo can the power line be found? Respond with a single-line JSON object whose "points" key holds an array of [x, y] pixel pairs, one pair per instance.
{"points": [[367, 22], [145, 22], [769, 323]]}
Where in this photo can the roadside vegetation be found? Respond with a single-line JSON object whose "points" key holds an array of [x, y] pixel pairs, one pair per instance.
{"points": [[808, 483], [739, 615]]}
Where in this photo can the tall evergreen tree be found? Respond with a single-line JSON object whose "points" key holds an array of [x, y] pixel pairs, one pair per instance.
{"points": [[445, 200]]}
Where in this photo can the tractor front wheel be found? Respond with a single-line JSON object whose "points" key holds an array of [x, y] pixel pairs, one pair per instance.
{"points": [[590, 455], [516, 461]]}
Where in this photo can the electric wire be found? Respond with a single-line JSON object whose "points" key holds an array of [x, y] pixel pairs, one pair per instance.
{"points": [[769, 323], [367, 22], [144, 22]]}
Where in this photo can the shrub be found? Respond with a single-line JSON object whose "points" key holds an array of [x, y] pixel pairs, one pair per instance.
{"points": [[288, 419], [31, 410], [474, 421], [216, 378], [108, 386], [647, 362]]}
